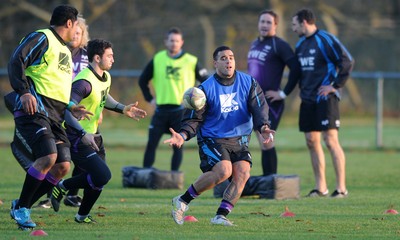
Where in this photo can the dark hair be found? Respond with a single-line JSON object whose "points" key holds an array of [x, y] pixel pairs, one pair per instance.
{"points": [[62, 14], [174, 30], [307, 15], [220, 49], [270, 12], [97, 47]]}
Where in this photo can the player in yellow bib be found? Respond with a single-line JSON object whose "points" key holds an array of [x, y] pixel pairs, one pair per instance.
{"points": [[172, 72], [91, 88], [40, 73]]}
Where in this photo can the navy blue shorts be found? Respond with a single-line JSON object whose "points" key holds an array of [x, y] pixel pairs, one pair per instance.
{"points": [[320, 116], [214, 150]]}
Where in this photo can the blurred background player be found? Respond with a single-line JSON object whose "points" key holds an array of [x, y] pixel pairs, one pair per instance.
{"points": [[172, 72], [326, 65], [266, 61]]}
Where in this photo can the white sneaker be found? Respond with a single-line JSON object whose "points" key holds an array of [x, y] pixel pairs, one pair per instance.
{"points": [[178, 210], [221, 220]]}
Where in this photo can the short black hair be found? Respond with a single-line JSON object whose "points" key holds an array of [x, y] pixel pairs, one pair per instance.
{"points": [[62, 14], [220, 49], [307, 15], [97, 47]]}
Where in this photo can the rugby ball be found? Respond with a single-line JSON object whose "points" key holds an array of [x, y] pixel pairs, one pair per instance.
{"points": [[194, 98]]}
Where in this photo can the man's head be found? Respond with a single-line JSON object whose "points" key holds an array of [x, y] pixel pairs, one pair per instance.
{"points": [[174, 41], [100, 53], [62, 14], [64, 21], [303, 22], [224, 61], [81, 36], [267, 23]]}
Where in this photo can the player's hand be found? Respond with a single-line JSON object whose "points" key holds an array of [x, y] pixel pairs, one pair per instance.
{"points": [[267, 134], [80, 113], [175, 140], [88, 139], [326, 90], [133, 112], [273, 95], [29, 103]]}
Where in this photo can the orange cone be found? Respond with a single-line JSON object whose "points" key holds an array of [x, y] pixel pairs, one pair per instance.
{"points": [[392, 211], [287, 213], [190, 219], [39, 232]]}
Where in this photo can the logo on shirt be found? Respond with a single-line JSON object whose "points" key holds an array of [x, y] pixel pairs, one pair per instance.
{"points": [[259, 55], [228, 104], [63, 62], [172, 73], [308, 62]]}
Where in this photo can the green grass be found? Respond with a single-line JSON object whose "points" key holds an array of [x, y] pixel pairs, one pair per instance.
{"points": [[372, 179]]}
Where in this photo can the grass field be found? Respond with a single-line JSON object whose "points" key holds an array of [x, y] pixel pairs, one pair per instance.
{"points": [[372, 179]]}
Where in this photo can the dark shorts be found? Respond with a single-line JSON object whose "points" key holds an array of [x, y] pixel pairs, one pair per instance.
{"points": [[320, 116], [212, 151], [163, 119], [275, 113], [44, 136]]}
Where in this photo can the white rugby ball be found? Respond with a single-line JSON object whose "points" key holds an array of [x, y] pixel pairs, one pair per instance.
{"points": [[194, 98]]}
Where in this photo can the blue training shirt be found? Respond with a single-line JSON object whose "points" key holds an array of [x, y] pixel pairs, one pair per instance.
{"points": [[227, 108], [324, 60]]}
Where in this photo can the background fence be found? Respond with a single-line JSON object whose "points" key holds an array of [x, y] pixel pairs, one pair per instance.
{"points": [[366, 94]]}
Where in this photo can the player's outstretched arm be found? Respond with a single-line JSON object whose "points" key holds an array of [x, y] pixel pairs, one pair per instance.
{"points": [[175, 140], [130, 110]]}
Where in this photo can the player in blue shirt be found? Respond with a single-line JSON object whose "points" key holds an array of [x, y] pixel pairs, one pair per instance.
{"points": [[266, 61], [326, 64], [235, 105]]}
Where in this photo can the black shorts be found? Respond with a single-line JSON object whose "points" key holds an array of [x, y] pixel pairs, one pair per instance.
{"points": [[275, 113], [43, 136], [212, 151], [163, 119], [320, 116]]}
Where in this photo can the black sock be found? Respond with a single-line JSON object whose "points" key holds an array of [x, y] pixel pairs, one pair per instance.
{"points": [[225, 208], [29, 188], [90, 197], [189, 195], [269, 161], [79, 181], [44, 188], [73, 192]]}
